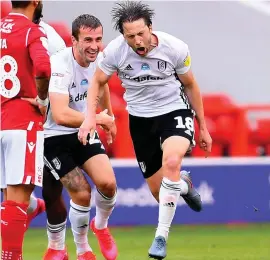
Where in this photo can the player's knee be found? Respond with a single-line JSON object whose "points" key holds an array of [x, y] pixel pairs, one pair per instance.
{"points": [[107, 188], [82, 198], [171, 164]]}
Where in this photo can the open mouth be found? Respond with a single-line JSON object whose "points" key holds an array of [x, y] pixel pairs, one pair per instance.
{"points": [[141, 50], [91, 52]]}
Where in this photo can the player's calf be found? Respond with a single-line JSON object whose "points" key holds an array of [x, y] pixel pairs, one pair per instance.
{"points": [[79, 217], [13, 222], [35, 211]]}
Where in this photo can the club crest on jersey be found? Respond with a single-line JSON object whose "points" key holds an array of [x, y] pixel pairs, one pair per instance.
{"points": [[145, 66], [84, 82], [162, 65]]}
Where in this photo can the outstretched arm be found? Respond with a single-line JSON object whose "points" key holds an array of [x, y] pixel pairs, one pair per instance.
{"points": [[99, 80]]}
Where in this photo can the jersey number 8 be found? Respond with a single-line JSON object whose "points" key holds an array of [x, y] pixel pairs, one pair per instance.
{"points": [[9, 75]]}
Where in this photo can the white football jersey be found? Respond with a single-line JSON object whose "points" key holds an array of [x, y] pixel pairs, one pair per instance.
{"points": [[69, 78], [55, 41], [151, 85]]}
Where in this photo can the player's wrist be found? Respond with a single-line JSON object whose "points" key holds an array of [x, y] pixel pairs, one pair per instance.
{"points": [[42, 102]]}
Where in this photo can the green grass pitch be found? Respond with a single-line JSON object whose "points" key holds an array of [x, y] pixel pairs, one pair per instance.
{"points": [[215, 242]]}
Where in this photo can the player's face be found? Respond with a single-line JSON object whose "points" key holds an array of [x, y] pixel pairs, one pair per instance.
{"points": [[138, 36], [89, 43]]}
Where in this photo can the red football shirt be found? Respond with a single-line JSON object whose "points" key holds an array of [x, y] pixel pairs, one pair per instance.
{"points": [[23, 56]]}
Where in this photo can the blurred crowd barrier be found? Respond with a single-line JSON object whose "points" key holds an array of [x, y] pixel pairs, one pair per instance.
{"points": [[236, 130]]}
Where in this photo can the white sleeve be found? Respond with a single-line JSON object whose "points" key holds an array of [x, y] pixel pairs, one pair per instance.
{"points": [[107, 62], [183, 63], [61, 77], [56, 43]]}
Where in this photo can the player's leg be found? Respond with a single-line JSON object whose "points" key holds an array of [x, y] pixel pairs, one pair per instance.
{"points": [[175, 144], [174, 149], [56, 217], [96, 164], [22, 172], [147, 146], [79, 214], [60, 163], [36, 207], [181, 123], [13, 220]]}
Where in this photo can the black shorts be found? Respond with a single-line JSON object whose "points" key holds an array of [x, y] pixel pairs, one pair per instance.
{"points": [[148, 134], [64, 153]]}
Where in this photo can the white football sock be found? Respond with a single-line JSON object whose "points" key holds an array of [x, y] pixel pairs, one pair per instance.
{"points": [[168, 197], [104, 208], [56, 236], [32, 204], [79, 217], [184, 187]]}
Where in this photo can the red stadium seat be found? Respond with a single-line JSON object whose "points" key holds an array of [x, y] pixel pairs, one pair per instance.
{"points": [[260, 137], [226, 120]]}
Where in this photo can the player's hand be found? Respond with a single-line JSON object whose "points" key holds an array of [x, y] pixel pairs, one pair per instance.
{"points": [[111, 133], [88, 127], [104, 120], [33, 101], [107, 123], [205, 141]]}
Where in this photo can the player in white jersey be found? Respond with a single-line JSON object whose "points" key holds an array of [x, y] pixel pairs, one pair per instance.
{"points": [[65, 157], [160, 91]]}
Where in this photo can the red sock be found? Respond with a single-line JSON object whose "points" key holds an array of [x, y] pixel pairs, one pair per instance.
{"points": [[13, 227]]}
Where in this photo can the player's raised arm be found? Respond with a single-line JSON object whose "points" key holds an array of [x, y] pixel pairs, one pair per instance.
{"points": [[192, 90], [107, 65]]}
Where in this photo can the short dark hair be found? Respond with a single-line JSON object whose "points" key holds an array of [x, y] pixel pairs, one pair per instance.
{"points": [[130, 11], [20, 4], [84, 21]]}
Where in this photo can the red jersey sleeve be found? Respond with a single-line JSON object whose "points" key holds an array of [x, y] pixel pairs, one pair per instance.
{"points": [[37, 44]]}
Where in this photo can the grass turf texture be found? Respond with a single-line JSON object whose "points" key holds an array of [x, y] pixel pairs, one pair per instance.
{"points": [[215, 242]]}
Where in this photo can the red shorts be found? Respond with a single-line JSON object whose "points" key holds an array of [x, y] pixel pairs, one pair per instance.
{"points": [[22, 156]]}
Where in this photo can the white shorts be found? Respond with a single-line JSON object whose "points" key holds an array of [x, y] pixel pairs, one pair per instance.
{"points": [[21, 157]]}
